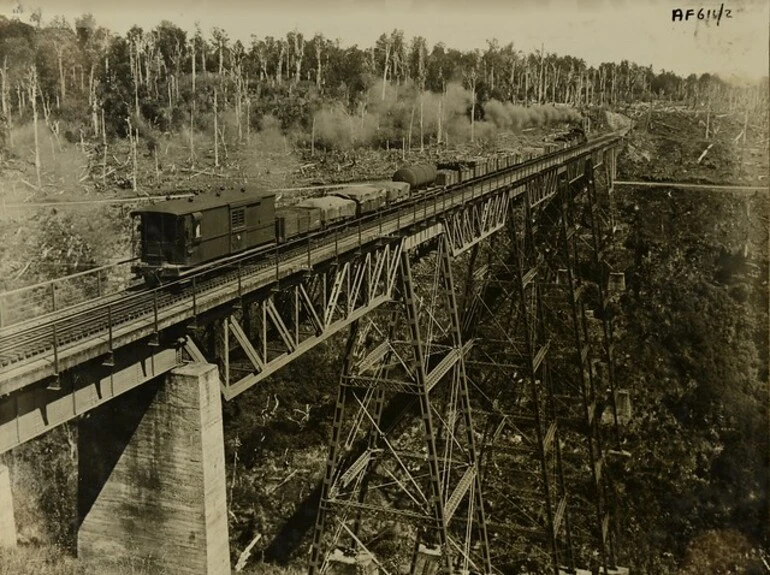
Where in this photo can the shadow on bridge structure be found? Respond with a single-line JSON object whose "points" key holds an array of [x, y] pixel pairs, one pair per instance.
{"points": [[476, 408]]}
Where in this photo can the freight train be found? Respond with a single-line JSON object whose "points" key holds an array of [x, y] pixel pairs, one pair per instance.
{"points": [[180, 237]]}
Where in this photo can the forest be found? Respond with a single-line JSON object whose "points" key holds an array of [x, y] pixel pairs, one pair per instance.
{"points": [[90, 86], [87, 113]]}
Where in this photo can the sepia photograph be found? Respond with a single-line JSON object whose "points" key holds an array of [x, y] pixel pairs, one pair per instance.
{"points": [[385, 287]]}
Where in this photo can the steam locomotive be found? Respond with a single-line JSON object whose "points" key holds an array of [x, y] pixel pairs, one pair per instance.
{"points": [[181, 236]]}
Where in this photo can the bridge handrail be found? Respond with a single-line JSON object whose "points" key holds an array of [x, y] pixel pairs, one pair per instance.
{"points": [[15, 308]]}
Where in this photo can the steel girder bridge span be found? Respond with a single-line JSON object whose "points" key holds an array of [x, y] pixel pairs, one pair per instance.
{"points": [[464, 307]]}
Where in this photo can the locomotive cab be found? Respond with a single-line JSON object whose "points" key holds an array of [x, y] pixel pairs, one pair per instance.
{"points": [[177, 237], [166, 243]]}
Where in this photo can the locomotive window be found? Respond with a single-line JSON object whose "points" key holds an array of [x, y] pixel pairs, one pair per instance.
{"points": [[238, 218], [196, 218]]}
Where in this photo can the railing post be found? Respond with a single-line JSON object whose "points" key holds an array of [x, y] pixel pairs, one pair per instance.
{"points": [[309, 256], [155, 309], [109, 325], [110, 361], [240, 281], [195, 299], [53, 296], [277, 266], [55, 351]]}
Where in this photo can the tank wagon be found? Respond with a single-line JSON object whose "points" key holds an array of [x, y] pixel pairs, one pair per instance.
{"points": [[418, 176], [180, 237]]}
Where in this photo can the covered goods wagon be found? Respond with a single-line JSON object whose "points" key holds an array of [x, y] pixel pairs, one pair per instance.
{"points": [[332, 208]]}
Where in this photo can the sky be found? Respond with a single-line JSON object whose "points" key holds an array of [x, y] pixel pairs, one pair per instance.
{"points": [[598, 31]]}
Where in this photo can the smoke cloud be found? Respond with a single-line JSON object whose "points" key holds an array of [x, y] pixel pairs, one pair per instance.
{"points": [[398, 114], [507, 116]]}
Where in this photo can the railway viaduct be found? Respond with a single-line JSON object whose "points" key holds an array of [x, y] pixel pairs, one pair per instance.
{"points": [[479, 355]]}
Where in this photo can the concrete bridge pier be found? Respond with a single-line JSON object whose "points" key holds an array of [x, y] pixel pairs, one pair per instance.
{"points": [[151, 491], [7, 520]]}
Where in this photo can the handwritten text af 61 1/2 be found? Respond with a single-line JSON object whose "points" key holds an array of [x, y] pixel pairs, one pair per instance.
{"points": [[680, 15]]}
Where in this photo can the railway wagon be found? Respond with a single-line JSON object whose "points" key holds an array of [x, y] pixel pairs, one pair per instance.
{"points": [[446, 178], [178, 235], [293, 221], [394, 191], [416, 176], [367, 198], [332, 208]]}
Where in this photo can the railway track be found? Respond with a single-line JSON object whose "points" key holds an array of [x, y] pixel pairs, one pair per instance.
{"points": [[50, 337]]}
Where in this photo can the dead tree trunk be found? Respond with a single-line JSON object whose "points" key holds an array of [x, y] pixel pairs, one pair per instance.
{"points": [[6, 107], [92, 100], [216, 131], [132, 141], [298, 50], [708, 119], [62, 83], [104, 152], [422, 141], [192, 109], [385, 68], [526, 87], [134, 57], [33, 97], [473, 109], [248, 115], [540, 77]]}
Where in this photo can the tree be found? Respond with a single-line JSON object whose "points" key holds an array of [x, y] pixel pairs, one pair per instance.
{"points": [[419, 55], [57, 43], [471, 74], [17, 44], [385, 45], [318, 48], [33, 93], [220, 41], [171, 43], [93, 42]]}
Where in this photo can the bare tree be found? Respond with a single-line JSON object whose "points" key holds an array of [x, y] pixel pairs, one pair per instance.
{"points": [[4, 97], [133, 137], [221, 39], [216, 130], [471, 74], [388, 47], [135, 71], [299, 43], [32, 78], [318, 41], [104, 152], [192, 106], [279, 67], [421, 75]]}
